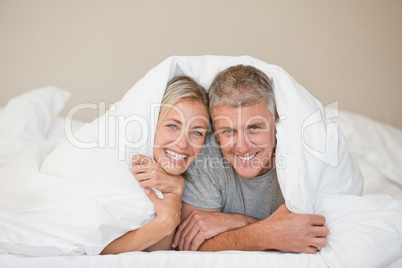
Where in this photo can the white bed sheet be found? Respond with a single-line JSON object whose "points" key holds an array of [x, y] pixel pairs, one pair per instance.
{"points": [[172, 259]]}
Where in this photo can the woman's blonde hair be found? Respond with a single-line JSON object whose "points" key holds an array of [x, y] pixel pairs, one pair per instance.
{"points": [[182, 88]]}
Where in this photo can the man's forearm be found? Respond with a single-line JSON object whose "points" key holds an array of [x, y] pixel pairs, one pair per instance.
{"points": [[248, 238], [239, 220], [283, 230]]}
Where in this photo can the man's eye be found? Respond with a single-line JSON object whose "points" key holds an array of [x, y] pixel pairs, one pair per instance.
{"points": [[172, 126], [228, 131], [253, 127]]}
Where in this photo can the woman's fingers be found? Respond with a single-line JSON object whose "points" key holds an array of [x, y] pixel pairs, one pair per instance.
{"points": [[153, 184], [141, 168], [141, 163], [140, 159], [151, 195], [147, 179], [140, 177]]}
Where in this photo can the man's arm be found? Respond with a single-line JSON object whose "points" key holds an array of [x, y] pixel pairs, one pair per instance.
{"points": [[200, 224], [283, 230]]}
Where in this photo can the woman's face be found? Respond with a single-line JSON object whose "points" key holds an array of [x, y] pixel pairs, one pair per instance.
{"points": [[180, 135]]}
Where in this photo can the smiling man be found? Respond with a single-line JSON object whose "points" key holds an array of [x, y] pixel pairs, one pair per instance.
{"points": [[234, 201]]}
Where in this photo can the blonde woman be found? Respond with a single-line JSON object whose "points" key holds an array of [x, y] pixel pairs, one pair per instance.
{"points": [[183, 124]]}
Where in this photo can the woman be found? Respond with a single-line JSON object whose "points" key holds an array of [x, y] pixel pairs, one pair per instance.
{"points": [[182, 126]]}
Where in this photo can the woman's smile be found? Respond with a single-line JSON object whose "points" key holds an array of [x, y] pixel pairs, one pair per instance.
{"points": [[176, 156]]}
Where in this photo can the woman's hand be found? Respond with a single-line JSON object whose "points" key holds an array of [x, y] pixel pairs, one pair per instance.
{"points": [[167, 210], [150, 235], [149, 173]]}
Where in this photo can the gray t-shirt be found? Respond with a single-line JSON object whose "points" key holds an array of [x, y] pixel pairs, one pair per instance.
{"points": [[216, 184]]}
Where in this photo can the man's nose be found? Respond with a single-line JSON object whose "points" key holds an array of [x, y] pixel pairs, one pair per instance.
{"points": [[242, 143]]}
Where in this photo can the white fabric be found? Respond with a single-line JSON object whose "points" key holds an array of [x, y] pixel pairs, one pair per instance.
{"points": [[26, 119], [96, 198], [365, 231], [173, 259], [378, 148], [57, 129]]}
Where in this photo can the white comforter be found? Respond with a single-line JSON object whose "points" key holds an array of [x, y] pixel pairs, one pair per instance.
{"points": [[99, 201]]}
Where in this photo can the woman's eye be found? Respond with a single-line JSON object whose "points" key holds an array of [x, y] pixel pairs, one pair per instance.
{"points": [[172, 126], [196, 133]]}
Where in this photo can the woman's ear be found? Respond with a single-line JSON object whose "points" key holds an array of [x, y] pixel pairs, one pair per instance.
{"points": [[276, 117]]}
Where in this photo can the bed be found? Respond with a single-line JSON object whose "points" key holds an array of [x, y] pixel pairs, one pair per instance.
{"points": [[32, 118]]}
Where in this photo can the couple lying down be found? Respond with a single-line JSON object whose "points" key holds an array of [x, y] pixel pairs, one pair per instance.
{"points": [[229, 197]]}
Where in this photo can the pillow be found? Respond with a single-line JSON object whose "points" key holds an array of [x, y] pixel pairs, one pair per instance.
{"points": [[375, 143], [57, 129], [365, 231], [26, 119]]}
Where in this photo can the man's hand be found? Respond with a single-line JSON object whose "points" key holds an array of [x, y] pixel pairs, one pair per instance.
{"points": [[196, 228], [201, 224], [149, 173], [291, 232]]}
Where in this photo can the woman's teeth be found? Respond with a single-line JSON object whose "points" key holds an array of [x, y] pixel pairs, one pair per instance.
{"points": [[246, 158], [175, 156]]}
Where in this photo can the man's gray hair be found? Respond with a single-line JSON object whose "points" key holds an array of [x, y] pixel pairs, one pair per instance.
{"points": [[240, 86]]}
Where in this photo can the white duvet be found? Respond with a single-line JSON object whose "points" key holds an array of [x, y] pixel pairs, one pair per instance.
{"points": [[75, 196]]}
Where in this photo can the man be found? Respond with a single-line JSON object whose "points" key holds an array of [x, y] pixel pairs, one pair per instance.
{"points": [[233, 201]]}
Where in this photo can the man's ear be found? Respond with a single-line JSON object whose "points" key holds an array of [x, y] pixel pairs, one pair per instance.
{"points": [[276, 117]]}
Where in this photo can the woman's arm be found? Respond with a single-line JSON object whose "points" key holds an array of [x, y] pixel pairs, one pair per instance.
{"points": [[164, 244], [158, 234], [167, 218]]}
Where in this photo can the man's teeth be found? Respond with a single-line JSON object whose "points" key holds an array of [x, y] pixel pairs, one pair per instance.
{"points": [[246, 158], [175, 156]]}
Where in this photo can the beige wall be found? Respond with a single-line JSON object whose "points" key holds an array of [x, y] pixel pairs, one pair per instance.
{"points": [[348, 51]]}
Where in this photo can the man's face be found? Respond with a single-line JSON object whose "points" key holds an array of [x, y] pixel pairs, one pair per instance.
{"points": [[247, 137]]}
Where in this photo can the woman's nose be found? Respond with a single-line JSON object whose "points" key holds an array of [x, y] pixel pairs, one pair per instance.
{"points": [[182, 141]]}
